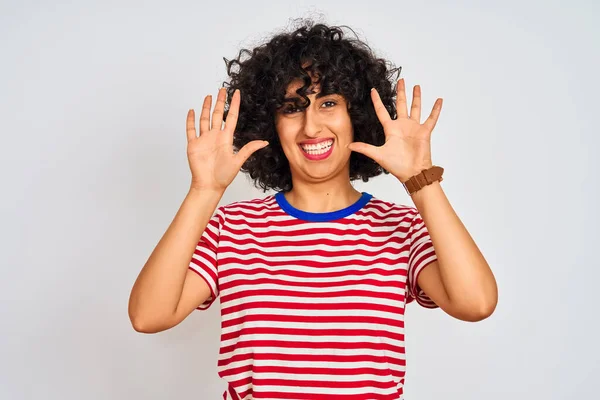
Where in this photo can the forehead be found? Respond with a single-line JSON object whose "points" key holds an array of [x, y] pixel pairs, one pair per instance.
{"points": [[315, 89], [297, 84]]}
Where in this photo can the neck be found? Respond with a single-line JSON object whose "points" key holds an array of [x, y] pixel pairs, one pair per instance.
{"points": [[322, 197]]}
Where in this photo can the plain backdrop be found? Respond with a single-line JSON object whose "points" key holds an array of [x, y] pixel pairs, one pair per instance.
{"points": [[93, 101]]}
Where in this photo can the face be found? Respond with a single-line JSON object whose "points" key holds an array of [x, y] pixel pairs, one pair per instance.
{"points": [[314, 139]]}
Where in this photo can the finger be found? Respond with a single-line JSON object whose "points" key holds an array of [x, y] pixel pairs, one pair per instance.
{"points": [[401, 107], [190, 127], [364, 148], [415, 108], [217, 117], [232, 114], [380, 109], [246, 151], [205, 115], [435, 114]]}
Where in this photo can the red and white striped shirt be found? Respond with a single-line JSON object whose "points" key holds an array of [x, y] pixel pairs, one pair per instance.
{"points": [[312, 304]]}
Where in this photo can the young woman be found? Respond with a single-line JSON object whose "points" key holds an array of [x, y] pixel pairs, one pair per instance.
{"points": [[313, 280]]}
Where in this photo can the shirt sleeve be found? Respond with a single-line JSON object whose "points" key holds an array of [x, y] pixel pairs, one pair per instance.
{"points": [[204, 261], [421, 254]]}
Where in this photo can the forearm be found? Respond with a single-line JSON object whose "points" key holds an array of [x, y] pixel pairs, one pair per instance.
{"points": [[159, 285], [465, 274]]}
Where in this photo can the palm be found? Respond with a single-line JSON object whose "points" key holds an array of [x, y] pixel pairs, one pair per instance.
{"points": [[210, 150], [406, 143], [407, 147], [212, 161]]}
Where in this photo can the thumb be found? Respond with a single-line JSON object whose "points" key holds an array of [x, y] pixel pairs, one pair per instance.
{"points": [[246, 151], [363, 148]]}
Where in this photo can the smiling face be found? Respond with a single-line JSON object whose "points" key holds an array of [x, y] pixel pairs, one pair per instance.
{"points": [[314, 138]]}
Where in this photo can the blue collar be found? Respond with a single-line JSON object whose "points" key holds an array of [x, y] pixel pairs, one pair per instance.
{"points": [[321, 217]]}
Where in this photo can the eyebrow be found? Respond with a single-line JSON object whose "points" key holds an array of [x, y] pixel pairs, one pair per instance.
{"points": [[319, 95]]}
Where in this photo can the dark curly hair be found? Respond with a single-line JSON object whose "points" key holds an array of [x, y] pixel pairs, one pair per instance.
{"points": [[342, 65]]}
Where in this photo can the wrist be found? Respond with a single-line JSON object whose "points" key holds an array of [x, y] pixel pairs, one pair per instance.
{"points": [[424, 191], [211, 192], [422, 179], [413, 171]]}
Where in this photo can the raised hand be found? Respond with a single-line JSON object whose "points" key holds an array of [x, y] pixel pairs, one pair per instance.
{"points": [[212, 161], [407, 147]]}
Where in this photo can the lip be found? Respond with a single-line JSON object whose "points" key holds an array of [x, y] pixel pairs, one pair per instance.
{"points": [[315, 141], [315, 157]]}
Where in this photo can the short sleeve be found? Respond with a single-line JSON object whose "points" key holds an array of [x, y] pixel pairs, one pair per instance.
{"points": [[421, 254], [204, 261]]}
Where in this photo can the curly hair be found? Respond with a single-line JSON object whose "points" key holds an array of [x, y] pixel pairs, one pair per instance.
{"points": [[342, 65]]}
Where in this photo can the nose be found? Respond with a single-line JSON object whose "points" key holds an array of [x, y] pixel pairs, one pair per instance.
{"points": [[312, 122]]}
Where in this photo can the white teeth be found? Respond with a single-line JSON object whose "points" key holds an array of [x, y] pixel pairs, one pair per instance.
{"points": [[320, 148]]}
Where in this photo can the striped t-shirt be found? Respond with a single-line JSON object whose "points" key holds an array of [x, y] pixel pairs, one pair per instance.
{"points": [[312, 304]]}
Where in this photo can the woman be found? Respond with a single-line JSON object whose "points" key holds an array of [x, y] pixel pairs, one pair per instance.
{"points": [[314, 279]]}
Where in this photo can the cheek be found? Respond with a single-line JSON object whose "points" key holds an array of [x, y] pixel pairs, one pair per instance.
{"points": [[343, 128], [282, 132], [284, 137], [287, 141]]}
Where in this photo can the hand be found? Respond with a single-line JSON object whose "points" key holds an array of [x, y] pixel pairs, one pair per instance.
{"points": [[210, 155], [407, 147]]}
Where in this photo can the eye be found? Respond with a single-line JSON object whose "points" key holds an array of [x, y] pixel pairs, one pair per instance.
{"points": [[290, 110]]}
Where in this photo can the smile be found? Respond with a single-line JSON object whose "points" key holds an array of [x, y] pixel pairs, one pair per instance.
{"points": [[317, 151]]}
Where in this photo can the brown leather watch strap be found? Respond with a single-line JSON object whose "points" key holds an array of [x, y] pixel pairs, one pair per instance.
{"points": [[424, 178]]}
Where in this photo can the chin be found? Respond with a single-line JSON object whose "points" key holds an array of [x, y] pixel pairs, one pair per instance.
{"points": [[322, 172]]}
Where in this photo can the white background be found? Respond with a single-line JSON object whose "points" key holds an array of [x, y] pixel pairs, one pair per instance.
{"points": [[93, 101]]}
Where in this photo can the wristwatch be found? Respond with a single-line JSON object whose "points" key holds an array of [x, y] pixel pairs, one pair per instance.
{"points": [[422, 179]]}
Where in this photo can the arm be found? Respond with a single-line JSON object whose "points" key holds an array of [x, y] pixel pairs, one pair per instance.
{"points": [[460, 281], [166, 291]]}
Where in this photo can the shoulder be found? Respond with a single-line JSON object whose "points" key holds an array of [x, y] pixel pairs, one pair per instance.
{"points": [[252, 205], [384, 208]]}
